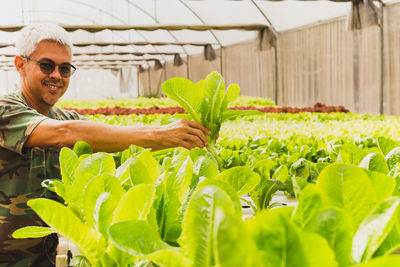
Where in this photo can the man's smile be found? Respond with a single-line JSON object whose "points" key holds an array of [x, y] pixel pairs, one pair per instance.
{"points": [[53, 85]]}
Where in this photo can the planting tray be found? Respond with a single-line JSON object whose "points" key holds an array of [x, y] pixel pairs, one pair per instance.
{"points": [[65, 249], [278, 197]]}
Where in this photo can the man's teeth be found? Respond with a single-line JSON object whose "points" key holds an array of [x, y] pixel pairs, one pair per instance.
{"points": [[52, 86]]}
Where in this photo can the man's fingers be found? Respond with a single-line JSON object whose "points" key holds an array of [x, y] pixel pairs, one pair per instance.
{"points": [[195, 140], [188, 145], [198, 130], [199, 126], [197, 136], [184, 133]]}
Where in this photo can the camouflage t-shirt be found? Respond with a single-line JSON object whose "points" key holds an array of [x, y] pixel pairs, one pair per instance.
{"points": [[21, 172]]}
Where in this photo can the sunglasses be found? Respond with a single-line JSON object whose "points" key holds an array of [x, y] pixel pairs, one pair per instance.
{"points": [[47, 66]]}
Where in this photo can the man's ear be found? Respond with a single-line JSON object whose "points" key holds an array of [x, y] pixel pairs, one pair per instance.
{"points": [[19, 63]]}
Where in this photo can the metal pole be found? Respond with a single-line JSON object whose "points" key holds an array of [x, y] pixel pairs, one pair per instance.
{"points": [[356, 70], [276, 74], [382, 48]]}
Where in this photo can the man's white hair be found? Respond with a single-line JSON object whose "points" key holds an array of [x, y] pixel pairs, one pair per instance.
{"points": [[30, 36]]}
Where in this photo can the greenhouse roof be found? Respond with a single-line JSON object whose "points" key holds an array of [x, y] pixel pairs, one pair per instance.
{"points": [[139, 31]]}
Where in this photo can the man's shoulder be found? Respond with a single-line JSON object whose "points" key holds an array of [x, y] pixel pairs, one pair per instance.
{"points": [[63, 114], [14, 98], [13, 107]]}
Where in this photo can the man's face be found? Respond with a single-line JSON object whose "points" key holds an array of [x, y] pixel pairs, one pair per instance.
{"points": [[46, 89]]}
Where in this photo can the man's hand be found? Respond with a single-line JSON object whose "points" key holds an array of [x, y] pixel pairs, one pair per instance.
{"points": [[181, 133]]}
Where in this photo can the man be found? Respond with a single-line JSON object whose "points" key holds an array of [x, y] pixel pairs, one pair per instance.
{"points": [[32, 131]]}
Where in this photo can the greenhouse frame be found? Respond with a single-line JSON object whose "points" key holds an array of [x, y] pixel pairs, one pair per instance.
{"points": [[310, 56]]}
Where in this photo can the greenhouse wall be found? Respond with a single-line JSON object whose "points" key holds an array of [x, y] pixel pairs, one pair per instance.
{"points": [[310, 65], [9, 81], [194, 68], [175, 71], [252, 68], [199, 67], [158, 77], [323, 62], [144, 83]]}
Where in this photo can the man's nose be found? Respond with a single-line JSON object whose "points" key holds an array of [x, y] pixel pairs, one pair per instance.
{"points": [[55, 74]]}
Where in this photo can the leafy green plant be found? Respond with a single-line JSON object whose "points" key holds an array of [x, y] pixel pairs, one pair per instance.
{"points": [[176, 208], [206, 102], [186, 213], [102, 200]]}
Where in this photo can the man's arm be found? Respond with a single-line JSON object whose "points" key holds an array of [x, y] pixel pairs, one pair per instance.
{"points": [[108, 138]]}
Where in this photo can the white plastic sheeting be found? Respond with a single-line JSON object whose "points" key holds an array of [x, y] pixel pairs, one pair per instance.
{"points": [[98, 83], [282, 15]]}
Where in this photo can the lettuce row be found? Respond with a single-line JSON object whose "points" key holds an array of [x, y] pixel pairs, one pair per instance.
{"points": [[185, 213]]}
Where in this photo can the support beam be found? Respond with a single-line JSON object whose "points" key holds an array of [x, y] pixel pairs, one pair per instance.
{"points": [[126, 53], [83, 63], [79, 61], [178, 61], [102, 44], [141, 44], [112, 54], [170, 27]]}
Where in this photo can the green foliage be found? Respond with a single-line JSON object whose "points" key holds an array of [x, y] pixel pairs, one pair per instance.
{"points": [[136, 237], [82, 148], [104, 183], [177, 208], [135, 204], [206, 102], [393, 157], [173, 193], [374, 229], [274, 224], [350, 154], [375, 162], [229, 190], [233, 245], [310, 202], [242, 179], [392, 260], [90, 242], [199, 225], [147, 102], [33, 232], [385, 145], [349, 188], [169, 258], [333, 224], [68, 163], [186, 213]]}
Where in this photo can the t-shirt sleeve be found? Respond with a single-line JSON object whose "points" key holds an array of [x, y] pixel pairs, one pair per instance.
{"points": [[76, 116], [17, 122], [63, 114]]}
